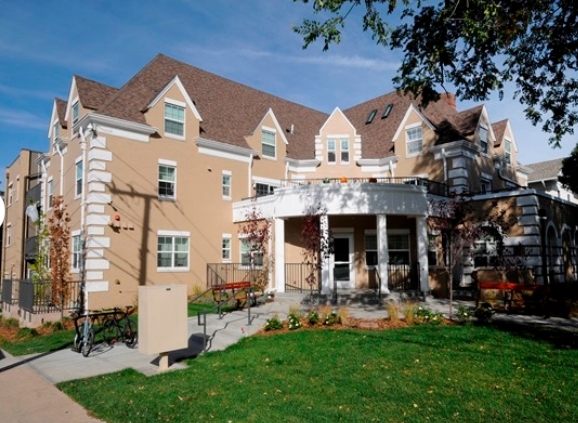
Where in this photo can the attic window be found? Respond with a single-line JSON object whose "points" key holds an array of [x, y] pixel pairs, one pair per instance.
{"points": [[387, 110], [371, 116]]}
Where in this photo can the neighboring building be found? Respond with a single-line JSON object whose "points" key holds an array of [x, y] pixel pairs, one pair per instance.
{"points": [[544, 178], [157, 176]]}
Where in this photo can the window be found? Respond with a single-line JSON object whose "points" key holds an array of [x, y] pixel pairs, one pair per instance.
{"points": [[370, 249], [486, 250], [486, 186], [173, 252], [245, 248], [398, 245], [76, 252], [263, 189], [432, 250], [174, 119], [370, 116], [483, 134], [9, 234], [50, 194], [331, 151], [387, 110], [226, 185], [268, 143], [56, 130], [414, 140], [226, 248], [345, 151], [78, 178], [10, 193], [508, 151], [75, 113], [167, 181]]}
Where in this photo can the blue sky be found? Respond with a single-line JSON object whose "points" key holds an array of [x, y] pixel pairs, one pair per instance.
{"points": [[44, 43]]}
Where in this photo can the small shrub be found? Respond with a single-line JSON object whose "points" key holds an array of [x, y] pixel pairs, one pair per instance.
{"points": [[392, 310], [409, 309], [343, 315], [313, 317], [294, 321], [26, 333], [273, 323], [464, 314], [425, 316], [324, 311], [484, 312], [11, 322], [331, 319]]}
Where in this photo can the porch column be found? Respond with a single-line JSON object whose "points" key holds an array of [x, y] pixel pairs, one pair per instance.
{"points": [[325, 279], [382, 251], [422, 248], [279, 255]]}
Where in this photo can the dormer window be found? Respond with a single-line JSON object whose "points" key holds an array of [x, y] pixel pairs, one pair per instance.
{"points": [[268, 143], [75, 113], [508, 151], [414, 140], [174, 119], [483, 134], [56, 131], [331, 151]]}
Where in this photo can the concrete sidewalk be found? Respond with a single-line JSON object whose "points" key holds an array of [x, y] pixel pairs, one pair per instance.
{"points": [[28, 394]]}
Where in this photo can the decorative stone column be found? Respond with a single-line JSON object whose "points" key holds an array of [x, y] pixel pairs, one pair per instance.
{"points": [[422, 249], [382, 252], [325, 276], [279, 255]]}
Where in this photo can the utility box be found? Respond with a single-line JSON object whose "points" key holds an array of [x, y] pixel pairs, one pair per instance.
{"points": [[162, 318]]}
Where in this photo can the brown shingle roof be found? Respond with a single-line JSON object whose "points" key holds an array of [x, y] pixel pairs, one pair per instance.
{"points": [[545, 171], [230, 111], [61, 111], [499, 130], [92, 94]]}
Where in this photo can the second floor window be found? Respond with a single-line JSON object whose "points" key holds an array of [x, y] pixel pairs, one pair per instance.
{"points": [[226, 185], [10, 194], [167, 181], [50, 189], [268, 143], [345, 151], [174, 119], [78, 178], [56, 130], [9, 234], [414, 140], [173, 252], [331, 151], [75, 112], [263, 189], [76, 252]]}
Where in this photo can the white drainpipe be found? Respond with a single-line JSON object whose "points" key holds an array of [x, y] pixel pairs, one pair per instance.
{"points": [[82, 269], [61, 169]]}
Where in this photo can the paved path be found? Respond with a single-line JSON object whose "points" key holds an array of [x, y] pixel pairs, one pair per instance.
{"points": [[28, 394]]}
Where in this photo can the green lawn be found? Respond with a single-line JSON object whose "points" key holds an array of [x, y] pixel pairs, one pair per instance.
{"points": [[417, 374], [39, 344]]}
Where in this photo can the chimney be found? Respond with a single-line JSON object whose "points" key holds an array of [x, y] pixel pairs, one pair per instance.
{"points": [[449, 99]]}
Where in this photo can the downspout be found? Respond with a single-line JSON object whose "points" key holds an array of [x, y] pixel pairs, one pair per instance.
{"points": [[4, 237], [445, 165], [250, 175], [82, 263]]}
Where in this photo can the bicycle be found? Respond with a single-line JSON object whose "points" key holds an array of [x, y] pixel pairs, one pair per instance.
{"points": [[84, 339], [118, 326]]}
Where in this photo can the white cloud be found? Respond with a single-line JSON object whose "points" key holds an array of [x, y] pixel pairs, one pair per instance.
{"points": [[22, 119]]}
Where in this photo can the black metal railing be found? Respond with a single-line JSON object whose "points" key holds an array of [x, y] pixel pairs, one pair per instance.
{"points": [[297, 277], [36, 296], [403, 277], [9, 296], [219, 273]]}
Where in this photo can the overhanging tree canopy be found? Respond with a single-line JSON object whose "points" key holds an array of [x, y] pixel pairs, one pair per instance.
{"points": [[476, 46]]}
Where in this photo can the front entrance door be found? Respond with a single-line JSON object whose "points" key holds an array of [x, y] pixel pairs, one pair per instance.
{"points": [[343, 270]]}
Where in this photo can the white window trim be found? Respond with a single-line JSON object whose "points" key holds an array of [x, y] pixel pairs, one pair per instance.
{"points": [[408, 127], [348, 161], [8, 234], [230, 175], [73, 234], [10, 199], [76, 162], [333, 150], [485, 127], [274, 132], [49, 187], [167, 163], [177, 104], [230, 238], [182, 234], [242, 237], [370, 232]]}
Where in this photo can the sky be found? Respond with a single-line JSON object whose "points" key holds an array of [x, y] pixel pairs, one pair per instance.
{"points": [[44, 43]]}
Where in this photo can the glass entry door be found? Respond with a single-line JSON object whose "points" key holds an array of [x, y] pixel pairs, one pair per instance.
{"points": [[343, 270]]}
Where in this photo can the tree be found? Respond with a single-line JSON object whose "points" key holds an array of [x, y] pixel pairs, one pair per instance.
{"points": [[58, 228], [256, 232], [460, 226], [475, 45], [569, 176]]}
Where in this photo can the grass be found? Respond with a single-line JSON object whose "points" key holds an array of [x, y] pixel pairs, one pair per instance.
{"points": [[423, 373], [39, 344]]}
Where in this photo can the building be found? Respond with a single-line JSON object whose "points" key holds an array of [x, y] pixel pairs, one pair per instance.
{"points": [[159, 175], [544, 178]]}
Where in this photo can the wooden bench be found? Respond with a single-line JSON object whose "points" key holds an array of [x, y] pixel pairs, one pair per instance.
{"points": [[239, 291], [512, 293]]}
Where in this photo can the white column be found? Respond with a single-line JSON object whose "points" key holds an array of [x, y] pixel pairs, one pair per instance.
{"points": [[279, 255], [325, 279], [422, 248], [382, 251]]}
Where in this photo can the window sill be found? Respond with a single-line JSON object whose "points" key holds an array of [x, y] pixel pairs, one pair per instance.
{"points": [[173, 269], [171, 199], [175, 137]]}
